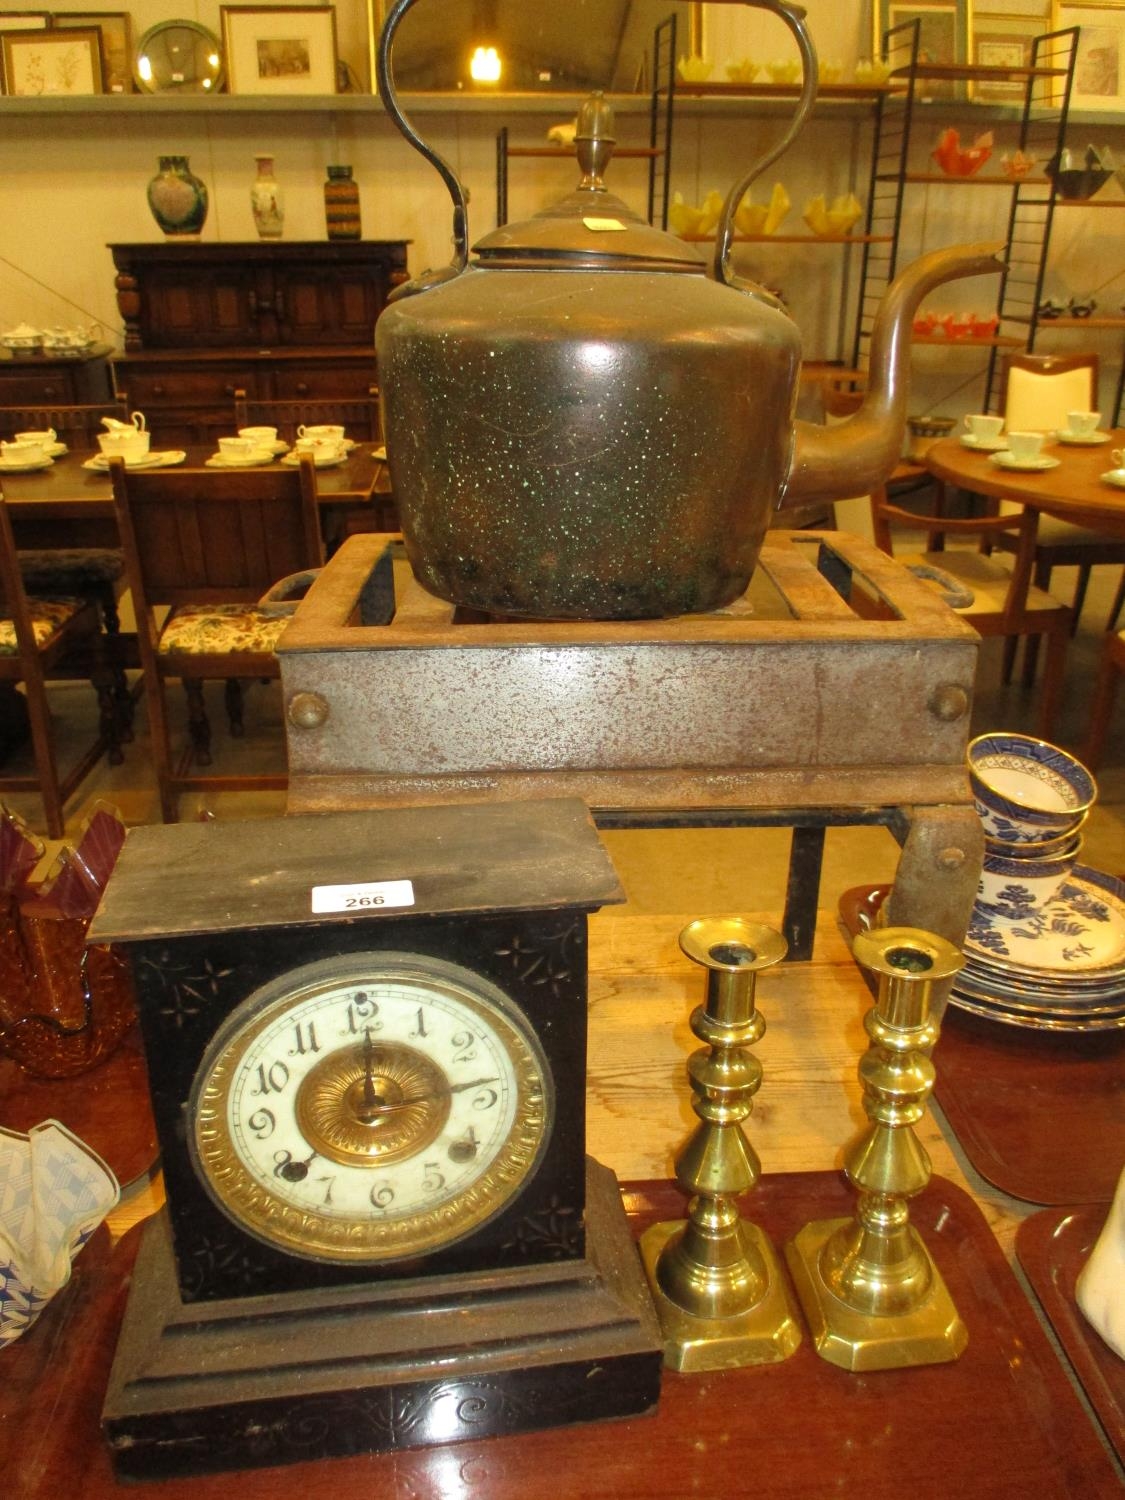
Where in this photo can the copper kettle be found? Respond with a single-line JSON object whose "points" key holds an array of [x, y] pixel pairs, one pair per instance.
{"points": [[588, 421]]}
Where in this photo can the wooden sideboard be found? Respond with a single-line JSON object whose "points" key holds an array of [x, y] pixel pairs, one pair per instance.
{"points": [[280, 320], [49, 379]]}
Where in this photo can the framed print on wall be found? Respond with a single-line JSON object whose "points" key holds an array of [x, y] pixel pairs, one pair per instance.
{"points": [[52, 62], [25, 20], [1099, 65], [280, 49], [116, 32], [943, 37], [1003, 41]]}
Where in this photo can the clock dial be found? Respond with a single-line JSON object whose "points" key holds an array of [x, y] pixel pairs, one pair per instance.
{"points": [[370, 1108]]}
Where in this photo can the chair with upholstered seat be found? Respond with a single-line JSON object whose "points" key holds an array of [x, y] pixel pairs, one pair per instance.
{"points": [[358, 415], [1036, 392], [42, 640], [994, 600], [206, 548]]}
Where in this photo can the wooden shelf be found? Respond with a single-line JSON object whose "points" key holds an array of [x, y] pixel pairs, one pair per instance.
{"points": [[866, 91], [976, 73], [566, 153], [992, 180], [1079, 323], [794, 239], [1061, 202], [1001, 341]]}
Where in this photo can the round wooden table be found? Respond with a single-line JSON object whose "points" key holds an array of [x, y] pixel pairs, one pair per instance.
{"points": [[1075, 491]]}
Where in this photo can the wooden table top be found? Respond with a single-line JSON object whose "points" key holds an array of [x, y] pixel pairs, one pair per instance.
{"points": [[67, 491], [1075, 491], [804, 1426]]}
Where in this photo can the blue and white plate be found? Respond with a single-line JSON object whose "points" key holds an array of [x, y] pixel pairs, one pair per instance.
{"points": [[1079, 935], [1042, 1021]]}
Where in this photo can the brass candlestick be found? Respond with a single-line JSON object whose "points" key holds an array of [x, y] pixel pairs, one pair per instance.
{"points": [[871, 1293], [719, 1288]]}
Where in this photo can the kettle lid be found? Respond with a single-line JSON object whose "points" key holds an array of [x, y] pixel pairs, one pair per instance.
{"points": [[590, 228]]}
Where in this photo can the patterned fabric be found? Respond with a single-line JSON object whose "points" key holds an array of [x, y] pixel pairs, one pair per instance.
{"points": [[70, 568], [48, 616], [219, 629]]}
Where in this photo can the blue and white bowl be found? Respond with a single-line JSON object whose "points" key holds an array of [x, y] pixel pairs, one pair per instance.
{"points": [[1013, 888], [1027, 791], [1035, 848]]}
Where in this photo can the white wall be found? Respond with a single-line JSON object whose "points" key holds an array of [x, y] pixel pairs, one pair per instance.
{"points": [[72, 184]]}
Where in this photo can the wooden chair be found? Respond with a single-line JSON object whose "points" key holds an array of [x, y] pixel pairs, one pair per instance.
{"points": [[93, 573], [45, 640], [208, 547], [358, 415], [77, 426], [1036, 392], [997, 602], [1105, 690]]}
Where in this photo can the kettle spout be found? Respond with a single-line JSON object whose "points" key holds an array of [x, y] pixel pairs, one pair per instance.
{"points": [[831, 463]]}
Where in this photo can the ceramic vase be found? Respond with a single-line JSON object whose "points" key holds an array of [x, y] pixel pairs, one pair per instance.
{"points": [[341, 204], [178, 199], [266, 201]]}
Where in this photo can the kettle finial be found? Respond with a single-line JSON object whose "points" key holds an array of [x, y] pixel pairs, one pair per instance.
{"points": [[594, 140]]}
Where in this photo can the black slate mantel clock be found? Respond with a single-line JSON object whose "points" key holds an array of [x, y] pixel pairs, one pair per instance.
{"points": [[366, 1042]]}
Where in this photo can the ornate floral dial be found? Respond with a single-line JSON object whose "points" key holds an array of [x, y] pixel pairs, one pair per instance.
{"points": [[370, 1108]]}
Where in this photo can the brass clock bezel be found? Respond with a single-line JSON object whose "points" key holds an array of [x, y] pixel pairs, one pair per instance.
{"points": [[309, 1235]]}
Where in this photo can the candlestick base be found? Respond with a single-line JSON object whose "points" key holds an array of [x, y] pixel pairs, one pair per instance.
{"points": [[929, 1333], [763, 1334]]}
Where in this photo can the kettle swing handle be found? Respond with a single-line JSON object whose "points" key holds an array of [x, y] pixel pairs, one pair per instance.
{"points": [[794, 18], [448, 175]]}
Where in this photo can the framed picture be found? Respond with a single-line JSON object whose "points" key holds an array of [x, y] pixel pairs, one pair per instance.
{"points": [[116, 33], [25, 20], [943, 38], [52, 62], [1099, 66], [280, 49], [1003, 41]]}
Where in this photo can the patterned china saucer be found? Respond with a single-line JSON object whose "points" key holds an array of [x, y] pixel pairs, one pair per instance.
{"points": [[17, 466], [291, 460], [1040, 465], [1042, 1022], [163, 460], [1080, 932], [1110, 1006], [984, 444], [255, 460], [1083, 439]]}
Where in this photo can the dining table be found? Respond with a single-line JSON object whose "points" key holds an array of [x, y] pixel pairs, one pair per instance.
{"points": [[1074, 490], [70, 504]]}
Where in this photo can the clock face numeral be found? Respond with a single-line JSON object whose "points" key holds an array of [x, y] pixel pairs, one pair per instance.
{"points": [[271, 1078], [304, 1040], [420, 1088]]}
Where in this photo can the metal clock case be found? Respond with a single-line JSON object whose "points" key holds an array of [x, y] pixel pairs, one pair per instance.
{"points": [[372, 1120]]}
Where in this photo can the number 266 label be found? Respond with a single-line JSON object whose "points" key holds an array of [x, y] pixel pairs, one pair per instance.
{"points": [[369, 896]]}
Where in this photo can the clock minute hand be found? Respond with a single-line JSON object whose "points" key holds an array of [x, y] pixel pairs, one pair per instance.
{"points": [[476, 1083]]}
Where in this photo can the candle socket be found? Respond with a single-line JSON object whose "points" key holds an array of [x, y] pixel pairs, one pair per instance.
{"points": [[872, 1295], [720, 1290]]}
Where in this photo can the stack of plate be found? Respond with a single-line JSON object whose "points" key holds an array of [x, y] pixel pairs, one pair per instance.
{"points": [[1058, 967]]}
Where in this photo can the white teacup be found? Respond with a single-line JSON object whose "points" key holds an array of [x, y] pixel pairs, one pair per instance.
{"points": [[45, 437], [261, 437], [322, 430], [126, 441], [984, 425], [22, 452], [1082, 423], [241, 449], [321, 448], [1025, 446]]}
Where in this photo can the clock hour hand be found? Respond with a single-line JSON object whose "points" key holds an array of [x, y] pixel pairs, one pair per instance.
{"points": [[476, 1083]]}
